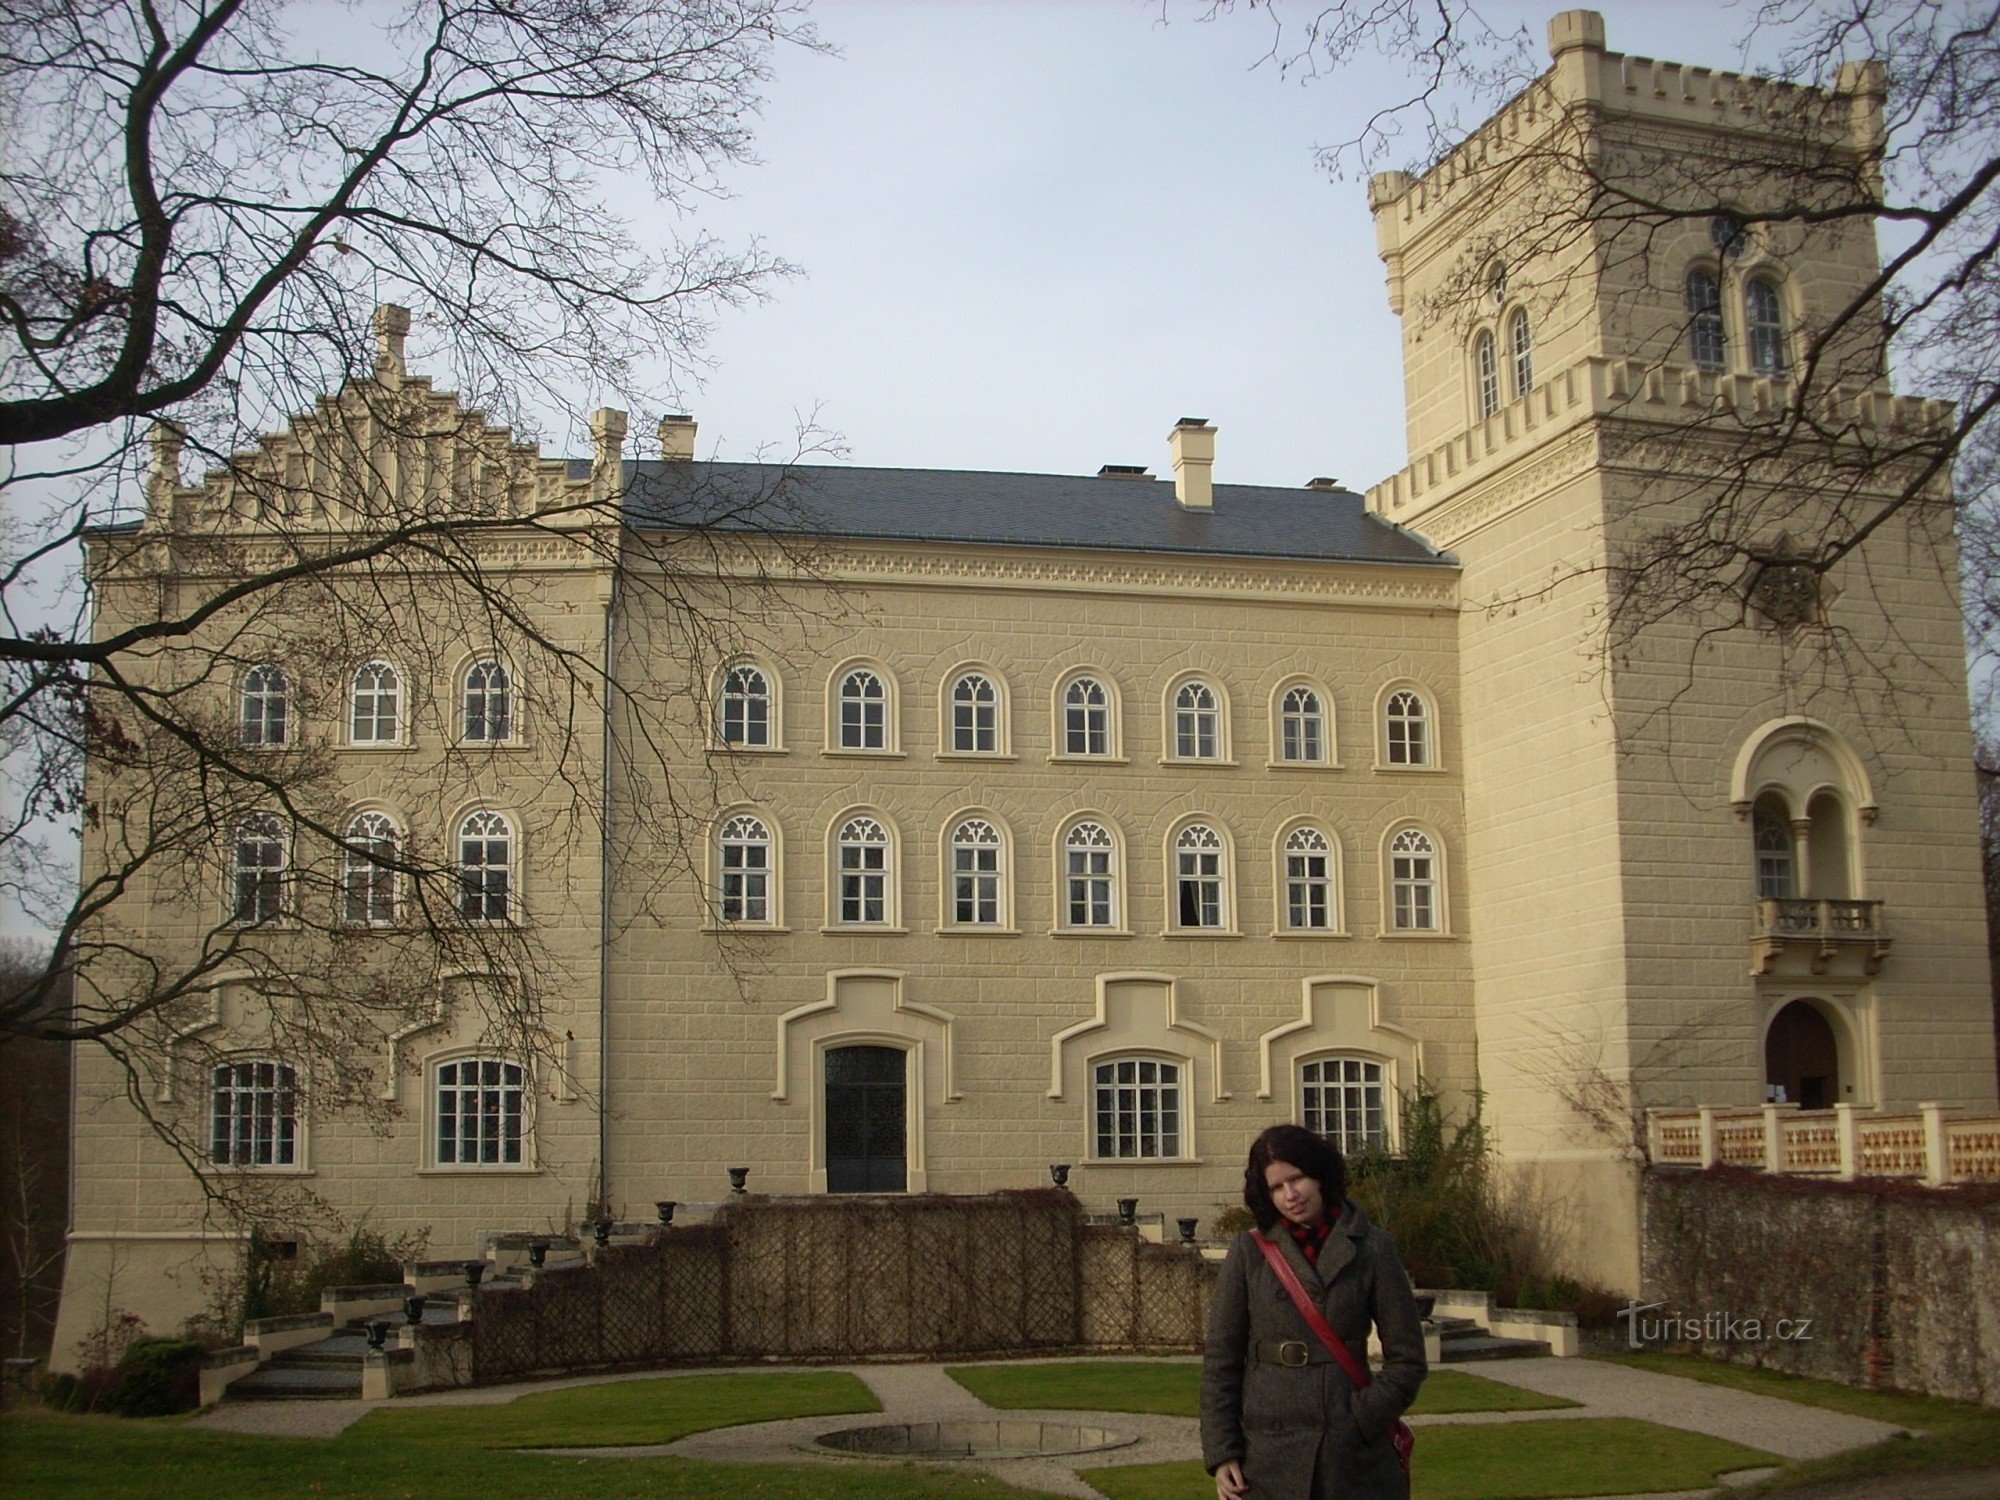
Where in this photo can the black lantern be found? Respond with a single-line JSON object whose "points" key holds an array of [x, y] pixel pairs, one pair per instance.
{"points": [[601, 1231], [737, 1177], [1128, 1211], [538, 1253], [378, 1333], [666, 1206], [1187, 1230], [474, 1269], [1059, 1174], [413, 1309]]}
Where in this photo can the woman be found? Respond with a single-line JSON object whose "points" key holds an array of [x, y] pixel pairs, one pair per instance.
{"points": [[1280, 1420]]}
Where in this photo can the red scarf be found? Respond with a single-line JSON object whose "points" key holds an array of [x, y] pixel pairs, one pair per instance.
{"points": [[1309, 1237]]}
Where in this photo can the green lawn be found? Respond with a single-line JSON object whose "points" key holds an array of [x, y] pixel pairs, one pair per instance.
{"points": [[1506, 1461], [625, 1413], [1953, 1434], [1171, 1389]]}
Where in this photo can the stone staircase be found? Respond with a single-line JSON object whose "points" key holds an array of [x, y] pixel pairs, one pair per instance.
{"points": [[1464, 1339]]}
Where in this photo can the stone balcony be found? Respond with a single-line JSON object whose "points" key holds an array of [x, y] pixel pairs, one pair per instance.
{"points": [[1832, 936]]}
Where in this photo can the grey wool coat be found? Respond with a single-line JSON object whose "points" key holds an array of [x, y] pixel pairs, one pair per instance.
{"points": [[1283, 1424]]}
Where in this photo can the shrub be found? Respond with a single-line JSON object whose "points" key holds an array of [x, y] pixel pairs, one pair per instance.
{"points": [[155, 1378], [273, 1287]]}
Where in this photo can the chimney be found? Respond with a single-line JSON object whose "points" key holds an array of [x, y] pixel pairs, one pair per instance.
{"points": [[392, 325], [607, 442], [1321, 482], [1123, 471], [677, 437], [1192, 443]]}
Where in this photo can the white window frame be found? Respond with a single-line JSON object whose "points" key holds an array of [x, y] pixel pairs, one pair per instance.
{"points": [[728, 696], [1766, 329], [1113, 748], [1390, 717], [1520, 353], [1111, 877], [1283, 715], [1196, 732], [486, 667], [1708, 337], [752, 889], [368, 869], [1407, 888], [838, 726], [519, 1087], [1779, 854], [1313, 1112], [247, 1128], [1301, 832], [265, 693], [949, 718], [378, 669], [259, 882], [847, 861], [1153, 1099], [991, 864], [496, 827], [1485, 376], [1200, 864]]}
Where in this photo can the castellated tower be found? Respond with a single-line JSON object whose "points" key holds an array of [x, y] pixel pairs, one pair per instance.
{"points": [[1722, 842]]}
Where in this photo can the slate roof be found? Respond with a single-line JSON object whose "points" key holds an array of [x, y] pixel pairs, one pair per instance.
{"points": [[1020, 510]]}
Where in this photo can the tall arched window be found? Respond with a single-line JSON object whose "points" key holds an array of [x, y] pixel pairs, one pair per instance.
{"points": [[368, 871], [1346, 1100], [1764, 320], [1201, 897], [1301, 727], [975, 715], [1413, 892], [746, 708], [1485, 375], [864, 712], [1308, 881], [1406, 729], [375, 714], [485, 868], [743, 859], [1197, 722], [480, 1108], [976, 877], [257, 884], [1086, 717], [253, 1114], [1520, 354], [863, 854], [1777, 874], [264, 708], [1090, 876], [1136, 1102], [488, 704], [1704, 318]]}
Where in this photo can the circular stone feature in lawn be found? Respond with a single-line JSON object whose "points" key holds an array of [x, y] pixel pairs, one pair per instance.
{"points": [[971, 1438]]}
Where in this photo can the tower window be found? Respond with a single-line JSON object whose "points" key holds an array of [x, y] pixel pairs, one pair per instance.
{"points": [[1764, 316], [1486, 375], [1521, 354], [1704, 317]]}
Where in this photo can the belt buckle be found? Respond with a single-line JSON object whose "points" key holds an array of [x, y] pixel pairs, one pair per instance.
{"points": [[1293, 1354]]}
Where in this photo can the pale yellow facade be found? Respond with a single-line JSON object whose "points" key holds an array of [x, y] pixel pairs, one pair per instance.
{"points": [[1574, 926]]}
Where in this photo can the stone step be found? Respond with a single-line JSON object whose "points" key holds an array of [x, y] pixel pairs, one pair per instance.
{"points": [[1461, 1347], [298, 1383], [342, 1348], [1449, 1326]]}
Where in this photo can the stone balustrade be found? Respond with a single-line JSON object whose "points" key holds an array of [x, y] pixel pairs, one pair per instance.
{"points": [[1929, 1145]]}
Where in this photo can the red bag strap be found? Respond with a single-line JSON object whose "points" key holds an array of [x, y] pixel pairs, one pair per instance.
{"points": [[1289, 1280]]}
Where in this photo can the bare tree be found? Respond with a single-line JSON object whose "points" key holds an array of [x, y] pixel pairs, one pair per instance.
{"points": [[202, 202], [1767, 503], [34, 1172]]}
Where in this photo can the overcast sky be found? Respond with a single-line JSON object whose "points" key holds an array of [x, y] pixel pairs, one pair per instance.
{"points": [[1035, 234]]}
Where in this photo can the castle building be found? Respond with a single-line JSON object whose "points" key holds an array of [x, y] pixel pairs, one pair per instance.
{"points": [[911, 831]]}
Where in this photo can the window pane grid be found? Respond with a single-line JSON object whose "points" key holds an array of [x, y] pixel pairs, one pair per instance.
{"points": [[1413, 882], [1704, 314], [376, 705], [745, 895], [1086, 718], [1408, 742], [863, 712], [975, 869], [864, 872], [975, 715], [488, 703], [1090, 873], [368, 875], [1344, 1099], [1488, 375], [265, 707], [254, 1115], [485, 868], [479, 1103], [258, 873], [1300, 727], [746, 708], [1136, 1105]]}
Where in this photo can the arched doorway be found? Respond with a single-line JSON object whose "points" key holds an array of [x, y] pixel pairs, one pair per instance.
{"points": [[866, 1111], [1802, 1057]]}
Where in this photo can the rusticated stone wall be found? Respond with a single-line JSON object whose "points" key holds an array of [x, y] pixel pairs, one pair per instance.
{"points": [[1900, 1284], [827, 1277]]}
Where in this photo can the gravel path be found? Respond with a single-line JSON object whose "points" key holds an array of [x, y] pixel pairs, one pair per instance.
{"points": [[923, 1392]]}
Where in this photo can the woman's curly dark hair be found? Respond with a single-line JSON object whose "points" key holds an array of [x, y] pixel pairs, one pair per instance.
{"points": [[1314, 1155]]}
